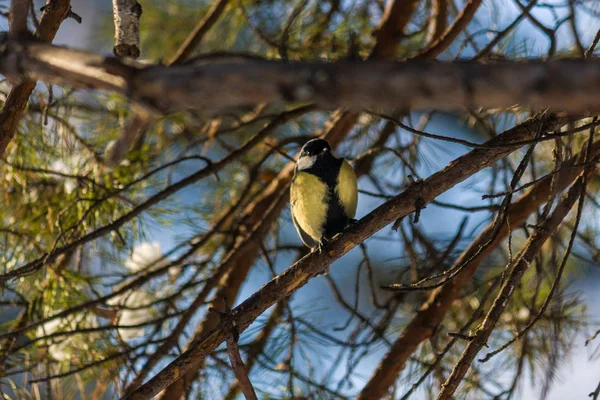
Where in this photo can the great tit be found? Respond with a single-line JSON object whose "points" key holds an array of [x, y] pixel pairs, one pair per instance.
{"points": [[323, 194]]}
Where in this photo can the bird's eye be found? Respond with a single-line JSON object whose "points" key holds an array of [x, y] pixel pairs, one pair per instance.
{"points": [[324, 150]]}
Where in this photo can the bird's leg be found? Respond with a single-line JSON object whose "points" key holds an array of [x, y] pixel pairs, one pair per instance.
{"points": [[322, 245], [322, 248]]}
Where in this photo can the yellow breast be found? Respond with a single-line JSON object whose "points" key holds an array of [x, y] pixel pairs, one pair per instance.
{"points": [[309, 197]]}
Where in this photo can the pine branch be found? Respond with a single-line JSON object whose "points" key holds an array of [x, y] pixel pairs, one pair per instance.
{"points": [[307, 268], [564, 85], [431, 314]]}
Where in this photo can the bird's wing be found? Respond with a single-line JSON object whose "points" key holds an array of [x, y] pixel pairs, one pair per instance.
{"points": [[347, 189], [306, 239]]}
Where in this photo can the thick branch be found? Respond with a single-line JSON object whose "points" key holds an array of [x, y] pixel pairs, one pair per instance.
{"points": [[568, 85], [300, 273]]}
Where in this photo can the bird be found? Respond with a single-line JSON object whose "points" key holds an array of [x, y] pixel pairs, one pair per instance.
{"points": [[323, 194]]}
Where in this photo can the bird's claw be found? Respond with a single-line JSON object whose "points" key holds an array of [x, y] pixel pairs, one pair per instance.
{"points": [[322, 245]]}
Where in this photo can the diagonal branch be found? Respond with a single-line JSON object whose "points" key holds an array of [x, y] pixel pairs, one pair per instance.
{"points": [[300, 273], [396, 16], [196, 36], [442, 43], [429, 317], [335, 130], [526, 256]]}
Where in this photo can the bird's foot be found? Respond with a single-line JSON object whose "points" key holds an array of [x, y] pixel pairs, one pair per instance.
{"points": [[322, 245]]}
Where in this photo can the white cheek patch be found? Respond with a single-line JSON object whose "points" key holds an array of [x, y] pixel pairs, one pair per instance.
{"points": [[305, 162]]}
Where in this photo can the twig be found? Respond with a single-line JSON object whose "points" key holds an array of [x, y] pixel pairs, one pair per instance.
{"points": [[431, 314], [561, 268], [588, 53], [515, 272], [594, 336], [195, 37], [237, 364]]}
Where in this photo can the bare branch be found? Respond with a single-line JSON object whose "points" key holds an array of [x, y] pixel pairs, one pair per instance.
{"points": [[237, 364], [567, 85], [516, 271], [432, 312], [126, 15], [461, 22], [396, 16], [196, 36]]}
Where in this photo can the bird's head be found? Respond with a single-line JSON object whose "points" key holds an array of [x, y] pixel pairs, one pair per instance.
{"points": [[313, 151]]}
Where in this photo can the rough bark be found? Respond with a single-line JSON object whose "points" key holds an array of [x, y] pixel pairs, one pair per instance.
{"points": [[126, 16], [564, 85]]}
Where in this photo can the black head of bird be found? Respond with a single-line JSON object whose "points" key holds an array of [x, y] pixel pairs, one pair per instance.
{"points": [[323, 194], [314, 154]]}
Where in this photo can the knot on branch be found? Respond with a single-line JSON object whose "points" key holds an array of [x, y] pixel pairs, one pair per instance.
{"points": [[229, 326], [314, 84]]}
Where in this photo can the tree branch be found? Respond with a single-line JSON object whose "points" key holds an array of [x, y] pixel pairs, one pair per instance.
{"points": [[335, 130], [567, 85], [308, 267], [126, 15], [429, 317], [396, 16], [196, 36], [19, 9], [526, 256], [461, 22]]}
